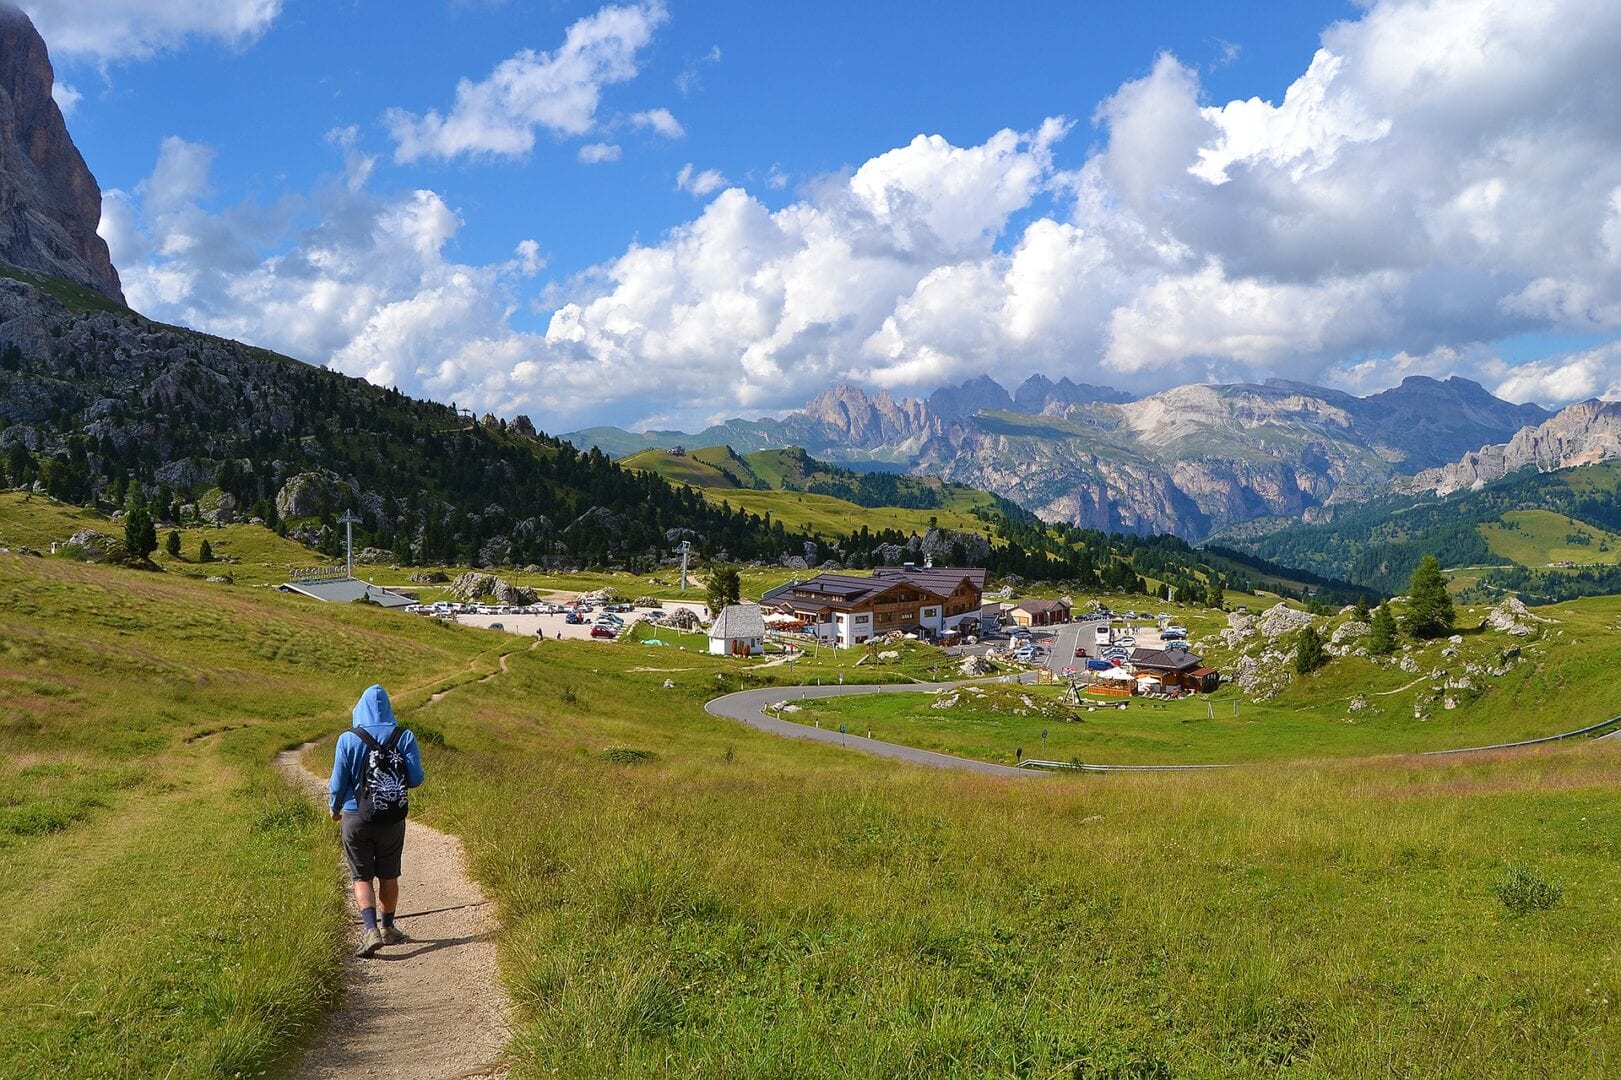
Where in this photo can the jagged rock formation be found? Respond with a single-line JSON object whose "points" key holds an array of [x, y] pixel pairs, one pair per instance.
{"points": [[1581, 434], [1191, 460], [50, 204]]}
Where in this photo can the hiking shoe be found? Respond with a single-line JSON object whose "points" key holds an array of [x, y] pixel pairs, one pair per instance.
{"points": [[370, 943], [393, 935]]}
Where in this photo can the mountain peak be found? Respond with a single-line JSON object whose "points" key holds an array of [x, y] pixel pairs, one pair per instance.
{"points": [[50, 204]]}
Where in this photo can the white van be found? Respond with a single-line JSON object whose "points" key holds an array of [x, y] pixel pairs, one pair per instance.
{"points": [[1102, 634]]}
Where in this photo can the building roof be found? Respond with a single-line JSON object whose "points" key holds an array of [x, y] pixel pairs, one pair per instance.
{"points": [[1165, 660], [844, 592], [940, 579], [348, 590], [739, 621], [1037, 607], [1202, 672]]}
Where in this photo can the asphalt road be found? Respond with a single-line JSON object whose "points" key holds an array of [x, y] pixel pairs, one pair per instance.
{"points": [[749, 707]]}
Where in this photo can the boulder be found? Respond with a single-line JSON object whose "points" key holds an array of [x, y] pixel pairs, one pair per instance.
{"points": [[1513, 618], [310, 494], [476, 586], [1281, 619]]}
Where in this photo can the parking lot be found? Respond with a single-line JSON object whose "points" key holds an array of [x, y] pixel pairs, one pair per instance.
{"points": [[557, 627]]}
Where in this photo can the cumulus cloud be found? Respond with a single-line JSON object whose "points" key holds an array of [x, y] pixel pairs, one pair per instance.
{"points": [[557, 91], [660, 122], [599, 153], [342, 276], [1441, 176], [104, 30], [699, 182]]}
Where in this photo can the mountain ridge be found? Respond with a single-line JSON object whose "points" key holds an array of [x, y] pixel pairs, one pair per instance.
{"points": [[1189, 460]]}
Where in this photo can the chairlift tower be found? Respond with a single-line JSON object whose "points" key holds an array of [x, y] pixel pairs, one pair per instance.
{"points": [[349, 521], [686, 552]]}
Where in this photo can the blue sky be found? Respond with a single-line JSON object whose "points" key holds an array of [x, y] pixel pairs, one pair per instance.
{"points": [[1102, 198]]}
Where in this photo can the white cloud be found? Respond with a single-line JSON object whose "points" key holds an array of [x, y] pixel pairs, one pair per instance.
{"points": [[557, 91], [598, 153], [660, 122], [1592, 373], [105, 30], [67, 97], [698, 182], [1441, 176]]}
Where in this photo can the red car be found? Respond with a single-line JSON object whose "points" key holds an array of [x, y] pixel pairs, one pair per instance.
{"points": [[602, 631]]}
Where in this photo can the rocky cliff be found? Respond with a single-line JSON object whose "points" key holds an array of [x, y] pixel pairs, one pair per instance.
{"points": [[1582, 434], [1190, 460], [50, 204]]}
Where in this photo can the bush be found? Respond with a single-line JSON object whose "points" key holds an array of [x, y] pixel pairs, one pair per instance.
{"points": [[627, 755], [1523, 892]]}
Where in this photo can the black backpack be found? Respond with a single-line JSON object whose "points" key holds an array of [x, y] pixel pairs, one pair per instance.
{"points": [[382, 794]]}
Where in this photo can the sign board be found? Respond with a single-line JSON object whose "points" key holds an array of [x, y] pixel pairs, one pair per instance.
{"points": [[305, 574]]}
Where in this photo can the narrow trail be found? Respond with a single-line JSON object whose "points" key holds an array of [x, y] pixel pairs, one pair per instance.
{"points": [[432, 1008]]}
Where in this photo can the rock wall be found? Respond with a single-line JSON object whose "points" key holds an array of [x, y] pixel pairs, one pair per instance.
{"points": [[50, 204]]}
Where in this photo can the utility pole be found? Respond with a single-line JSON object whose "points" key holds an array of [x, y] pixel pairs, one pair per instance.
{"points": [[686, 552], [348, 521]]}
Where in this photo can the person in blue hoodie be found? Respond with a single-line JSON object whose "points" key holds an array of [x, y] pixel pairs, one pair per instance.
{"points": [[373, 848]]}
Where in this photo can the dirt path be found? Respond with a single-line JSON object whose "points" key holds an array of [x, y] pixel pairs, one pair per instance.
{"points": [[431, 1009]]}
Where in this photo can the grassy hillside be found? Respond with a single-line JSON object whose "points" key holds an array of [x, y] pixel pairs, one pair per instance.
{"points": [[1521, 523], [1541, 537], [738, 904], [171, 908]]}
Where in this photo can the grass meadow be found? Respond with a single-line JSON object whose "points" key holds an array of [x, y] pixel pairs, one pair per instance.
{"points": [[680, 895]]}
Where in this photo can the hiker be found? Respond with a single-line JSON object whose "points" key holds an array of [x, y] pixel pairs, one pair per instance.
{"points": [[375, 764]]}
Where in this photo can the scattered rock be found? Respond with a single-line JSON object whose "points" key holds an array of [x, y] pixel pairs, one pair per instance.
{"points": [[1281, 619], [430, 577], [972, 667], [475, 586], [1513, 618], [1358, 703]]}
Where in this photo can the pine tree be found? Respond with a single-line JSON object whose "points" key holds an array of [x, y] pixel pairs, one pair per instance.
{"points": [[1429, 609], [1362, 609], [1217, 596], [140, 535], [172, 544], [1382, 636], [205, 553], [724, 587], [1309, 652]]}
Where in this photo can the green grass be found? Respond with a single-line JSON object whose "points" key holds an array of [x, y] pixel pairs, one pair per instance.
{"points": [[75, 296], [679, 469], [752, 906], [172, 909], [825, 515], [682, 895], [1536, 538]]}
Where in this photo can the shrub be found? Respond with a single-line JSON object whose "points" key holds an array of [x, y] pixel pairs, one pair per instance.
{"points": [[1523, 892], [627, 755]]}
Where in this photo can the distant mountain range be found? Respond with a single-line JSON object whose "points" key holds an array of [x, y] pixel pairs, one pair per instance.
{"points": [[1191, 460]]}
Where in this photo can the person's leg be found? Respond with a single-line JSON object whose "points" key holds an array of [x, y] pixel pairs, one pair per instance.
{"points": [[366, 900], [388, 898], [390, 849]]}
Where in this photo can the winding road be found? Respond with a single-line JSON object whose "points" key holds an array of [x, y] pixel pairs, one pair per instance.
{"points": [[749, 707]]}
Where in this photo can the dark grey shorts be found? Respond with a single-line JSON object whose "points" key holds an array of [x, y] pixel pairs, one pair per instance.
{"points": [[374, 850]]}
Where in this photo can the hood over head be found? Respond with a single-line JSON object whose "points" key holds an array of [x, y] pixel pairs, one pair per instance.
{"points": [[373, 709]]}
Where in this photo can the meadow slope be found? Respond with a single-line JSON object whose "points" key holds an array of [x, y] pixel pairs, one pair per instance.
{"points": [[682, 895]]}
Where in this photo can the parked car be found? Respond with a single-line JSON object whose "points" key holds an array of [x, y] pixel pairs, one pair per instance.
{"points": [[1080, 651], [496, 626], [1177, 646], [573, 618], [1125, 642], [603, 631]]}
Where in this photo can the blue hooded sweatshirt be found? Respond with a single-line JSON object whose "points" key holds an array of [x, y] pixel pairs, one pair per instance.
{"points": [[374, 713]]}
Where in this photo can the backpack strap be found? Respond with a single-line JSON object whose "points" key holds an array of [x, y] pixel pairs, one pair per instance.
{"points": [[394, 738], [366, 737]]}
